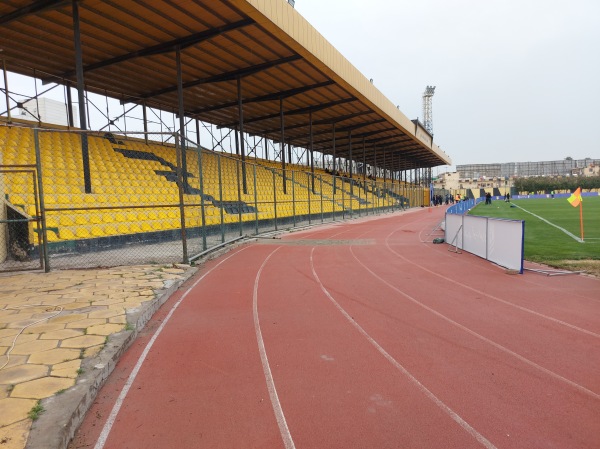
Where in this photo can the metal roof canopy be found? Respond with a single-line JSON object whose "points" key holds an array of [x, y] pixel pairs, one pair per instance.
{"points": [[129, 50]]}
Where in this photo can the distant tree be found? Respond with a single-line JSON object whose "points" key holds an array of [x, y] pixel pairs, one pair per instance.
{"points": [[549, 183]]}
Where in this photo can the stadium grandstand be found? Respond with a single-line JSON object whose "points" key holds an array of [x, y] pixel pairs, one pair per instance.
{"points": [[297, 135]]}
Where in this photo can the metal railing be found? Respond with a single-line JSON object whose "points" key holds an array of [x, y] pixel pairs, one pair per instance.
{"points": [[151, 203]]}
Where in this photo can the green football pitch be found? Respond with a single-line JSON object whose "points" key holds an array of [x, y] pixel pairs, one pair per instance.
{"points": [[552, 229]]}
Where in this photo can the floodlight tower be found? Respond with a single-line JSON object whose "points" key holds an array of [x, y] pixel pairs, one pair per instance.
{"points": [[427, 108]]}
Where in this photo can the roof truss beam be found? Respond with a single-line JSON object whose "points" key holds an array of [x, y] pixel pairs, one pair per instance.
{"points": [[320, 122], [227, 76], [34, 7], [268, 97], [305, 110], [361, 125], [320, 107], [166, 47]]}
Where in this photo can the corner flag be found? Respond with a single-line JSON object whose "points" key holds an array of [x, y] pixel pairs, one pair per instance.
{"points": [[575, 198]]}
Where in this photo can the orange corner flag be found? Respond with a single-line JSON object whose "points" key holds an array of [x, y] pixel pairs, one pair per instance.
{"points": [[575, 198]]}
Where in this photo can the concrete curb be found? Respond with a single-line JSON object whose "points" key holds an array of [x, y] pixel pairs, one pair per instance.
{"points": [[65, 412]]}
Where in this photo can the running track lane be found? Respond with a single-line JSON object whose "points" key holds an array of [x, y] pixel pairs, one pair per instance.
{"points": [[370, 339]]}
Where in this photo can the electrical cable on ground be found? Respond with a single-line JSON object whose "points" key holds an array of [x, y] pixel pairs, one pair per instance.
{"points": [[14, 342]]}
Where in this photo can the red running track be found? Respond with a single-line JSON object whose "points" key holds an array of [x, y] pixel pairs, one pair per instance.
{"points": [[360, 335]]}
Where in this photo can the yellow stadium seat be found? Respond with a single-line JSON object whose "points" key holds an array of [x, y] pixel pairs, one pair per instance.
{"points": [[66, 234], [122, 228], [82, 232], [97, 231], [81, 219]]}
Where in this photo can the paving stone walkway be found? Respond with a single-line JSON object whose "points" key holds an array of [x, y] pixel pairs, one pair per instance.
{"points": [[51, 322]]}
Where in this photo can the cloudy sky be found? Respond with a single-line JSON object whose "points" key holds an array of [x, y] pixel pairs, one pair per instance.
{"points": [[515, 80]]}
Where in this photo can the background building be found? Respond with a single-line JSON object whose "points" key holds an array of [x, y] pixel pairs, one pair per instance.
{"points": [[46, 110], [563, 167], [474, 180]]}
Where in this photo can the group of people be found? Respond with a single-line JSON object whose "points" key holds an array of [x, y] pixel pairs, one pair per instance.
{"points": [[488, 198], [438, 200]]}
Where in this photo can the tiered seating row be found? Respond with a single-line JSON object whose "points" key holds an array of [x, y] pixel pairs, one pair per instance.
{"points": [[133, 195]]}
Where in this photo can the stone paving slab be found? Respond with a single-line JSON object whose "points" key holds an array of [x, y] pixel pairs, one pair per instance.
{"points": [[52, 325]]}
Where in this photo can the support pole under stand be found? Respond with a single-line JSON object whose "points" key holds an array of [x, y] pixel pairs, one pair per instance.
{"points": [[70, 106], [312, 156], [375, 164], [40, 187], [350, 162], [85, 155], [202, 205], [364, 167], [181, 191], [384, 169], [145, 119], [334, 158], [282, 145], [184, 171], [6, 91], [242, 142], [237, 140], [266, 148]]}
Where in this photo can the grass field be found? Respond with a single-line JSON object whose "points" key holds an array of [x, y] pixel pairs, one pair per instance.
{"points": [[546, 243]]}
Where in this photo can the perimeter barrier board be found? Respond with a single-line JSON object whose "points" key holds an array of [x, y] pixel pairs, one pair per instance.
{"points": [[497, 240]]}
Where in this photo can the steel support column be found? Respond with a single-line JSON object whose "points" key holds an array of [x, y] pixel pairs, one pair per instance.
{"points": [[350, 161], [85, 155], [70, 118], [6, 91], [266, 148], [282, 144], [375, 164], [384, 169], [310, 149], [334, 158], [145, 120], [181, 122], [237, 141], [364, 166], [242, 141]]}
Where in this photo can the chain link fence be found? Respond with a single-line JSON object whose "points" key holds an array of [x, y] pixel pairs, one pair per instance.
{"points": [[89, 199]]}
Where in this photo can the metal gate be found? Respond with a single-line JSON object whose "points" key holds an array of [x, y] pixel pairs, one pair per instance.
{"points": [[20, 219]]}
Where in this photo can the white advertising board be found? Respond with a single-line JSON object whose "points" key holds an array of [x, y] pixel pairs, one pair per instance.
{"points": [[497, 240]]}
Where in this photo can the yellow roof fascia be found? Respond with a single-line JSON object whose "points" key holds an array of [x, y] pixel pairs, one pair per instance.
{"points": [[284, 22]]}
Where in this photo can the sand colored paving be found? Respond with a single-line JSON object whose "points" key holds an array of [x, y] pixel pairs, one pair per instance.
{"points": [[51, 322]]}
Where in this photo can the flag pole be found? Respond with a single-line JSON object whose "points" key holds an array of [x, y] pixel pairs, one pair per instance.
{"points": [[581, 218]]}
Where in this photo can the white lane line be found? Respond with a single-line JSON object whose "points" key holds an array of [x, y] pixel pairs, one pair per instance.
{"points": [[108, 425], [573, 236], [279, 416], [531, 363], [487, 295], [460, 421]]}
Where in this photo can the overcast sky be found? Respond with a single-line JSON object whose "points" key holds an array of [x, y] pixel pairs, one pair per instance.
{"points": [[515, 80]]}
